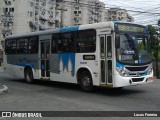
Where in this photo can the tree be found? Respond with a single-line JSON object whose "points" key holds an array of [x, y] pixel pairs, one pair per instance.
{"points": [[154, 46], [159, 22]]}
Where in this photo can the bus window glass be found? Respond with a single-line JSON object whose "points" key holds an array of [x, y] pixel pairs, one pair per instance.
{"points": [[109, 46], [133, 48], [10, 47], [22, 46], [33, 45], [54, 43], [102, 47], [86, 41], [66, 43]]}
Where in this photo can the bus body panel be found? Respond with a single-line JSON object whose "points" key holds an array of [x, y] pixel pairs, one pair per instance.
{"points": [[15, 64], [90, 65], [64, 67]]}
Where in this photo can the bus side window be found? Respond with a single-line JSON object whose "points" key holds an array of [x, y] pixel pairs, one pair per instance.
{"points": [[10, 47], [33, 45], [86, 41], [54, 43], [60, 47], [22, 46], [66, 43]]}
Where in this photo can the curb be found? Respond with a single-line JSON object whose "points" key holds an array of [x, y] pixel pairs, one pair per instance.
{"points": [[3, 89]]}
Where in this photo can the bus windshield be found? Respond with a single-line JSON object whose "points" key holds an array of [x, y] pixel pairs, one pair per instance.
{"points": [[132, 48]]}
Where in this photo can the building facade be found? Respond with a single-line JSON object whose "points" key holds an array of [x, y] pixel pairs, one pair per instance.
{"points": [[23, 16], [83, 12], [1, 36], [118, 14]]}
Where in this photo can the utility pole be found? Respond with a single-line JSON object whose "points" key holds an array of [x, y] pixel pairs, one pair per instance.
{"points": [[62, 11], [37, 16]]}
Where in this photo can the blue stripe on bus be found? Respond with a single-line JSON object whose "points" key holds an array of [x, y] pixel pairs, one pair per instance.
{"points": [[24, 65], [66, 58], [69, 29], [119, 65]]}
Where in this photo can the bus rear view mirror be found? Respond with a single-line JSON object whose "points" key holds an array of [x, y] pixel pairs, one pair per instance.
{"points": [[117, 41]]}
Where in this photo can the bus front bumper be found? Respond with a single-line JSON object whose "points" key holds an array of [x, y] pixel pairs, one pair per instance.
{"points": [[120, 81]]}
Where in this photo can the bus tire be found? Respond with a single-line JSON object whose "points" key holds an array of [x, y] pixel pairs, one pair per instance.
{"points": [[86, 83], [29, 75]]}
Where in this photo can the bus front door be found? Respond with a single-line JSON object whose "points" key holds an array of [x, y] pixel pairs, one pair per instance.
{"points": [[106, 59], [45, 55]]}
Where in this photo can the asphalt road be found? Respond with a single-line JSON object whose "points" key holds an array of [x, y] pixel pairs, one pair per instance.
{"points": [[54, 96]]}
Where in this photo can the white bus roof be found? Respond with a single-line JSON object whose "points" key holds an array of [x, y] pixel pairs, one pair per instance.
{"points": [[69, 29]]}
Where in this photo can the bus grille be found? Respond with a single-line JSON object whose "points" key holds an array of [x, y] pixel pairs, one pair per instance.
{"points": [[137, 79], [143, 68]]}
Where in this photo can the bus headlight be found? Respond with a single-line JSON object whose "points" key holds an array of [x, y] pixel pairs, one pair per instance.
{"points": [[122, 72], [150, 71]]}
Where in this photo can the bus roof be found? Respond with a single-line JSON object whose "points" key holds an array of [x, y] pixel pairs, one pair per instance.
{"points": [[68, 29]]}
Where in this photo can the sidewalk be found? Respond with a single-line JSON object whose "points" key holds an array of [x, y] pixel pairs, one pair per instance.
{"points": [[3, 89], [1, 69]]}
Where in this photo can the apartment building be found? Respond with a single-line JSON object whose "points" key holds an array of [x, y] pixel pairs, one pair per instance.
{"points": [[1, 36], [83, 12], [21, 16], [118, 14]]}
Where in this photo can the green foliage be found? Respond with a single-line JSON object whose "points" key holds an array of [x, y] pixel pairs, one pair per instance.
{"points": [[153, 39], [154, 46], [151, 29], [159, 22]]}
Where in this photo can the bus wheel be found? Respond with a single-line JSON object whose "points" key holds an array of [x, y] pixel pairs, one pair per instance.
{"points": [[86, 82], [29, 75]]}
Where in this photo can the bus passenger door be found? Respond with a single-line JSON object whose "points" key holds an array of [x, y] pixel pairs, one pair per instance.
{"points": [[106, 59], [45, 56]]}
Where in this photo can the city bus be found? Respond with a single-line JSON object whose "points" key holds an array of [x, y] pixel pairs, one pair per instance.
{"points": [[108, 54]]}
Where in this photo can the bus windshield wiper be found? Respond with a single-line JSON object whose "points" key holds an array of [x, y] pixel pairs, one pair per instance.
{"points": [[130, 41]]}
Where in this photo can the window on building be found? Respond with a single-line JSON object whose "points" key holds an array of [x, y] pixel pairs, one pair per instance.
{"points": [[11, 9], [5, 9]]}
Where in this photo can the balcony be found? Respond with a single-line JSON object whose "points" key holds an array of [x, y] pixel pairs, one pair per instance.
{"points": [[42, 18], [51, 21], [32, 24], [7, 24], [6, 31], [7, 2], [7, 14], [7, 20], [42, 27]]}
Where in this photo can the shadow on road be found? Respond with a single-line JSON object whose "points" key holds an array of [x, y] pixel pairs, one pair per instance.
{"points": [[97, 90]]}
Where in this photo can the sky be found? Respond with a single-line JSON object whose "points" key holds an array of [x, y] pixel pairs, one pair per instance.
{"points": [[144, 11]]}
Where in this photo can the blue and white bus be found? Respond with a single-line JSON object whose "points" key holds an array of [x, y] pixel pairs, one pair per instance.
{"points": [[114, 54]]}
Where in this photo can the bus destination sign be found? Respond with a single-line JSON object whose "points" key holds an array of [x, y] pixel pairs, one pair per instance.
{"points": [[130, 28]]}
